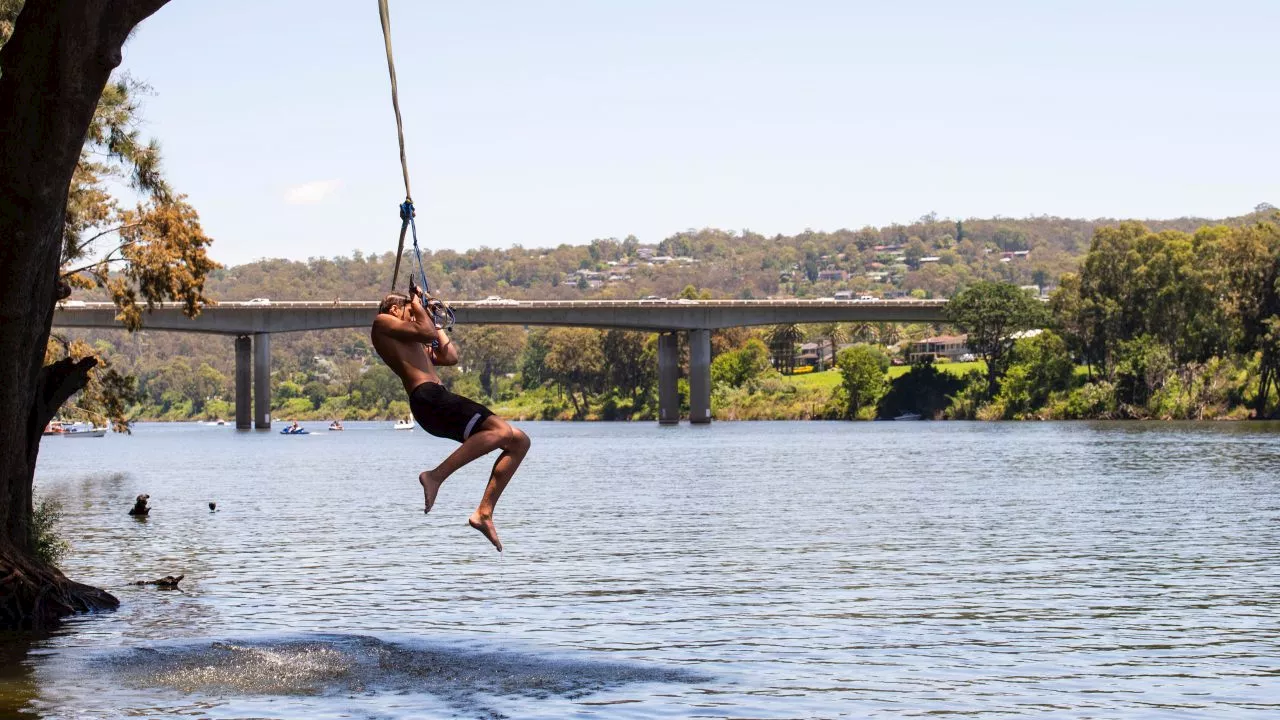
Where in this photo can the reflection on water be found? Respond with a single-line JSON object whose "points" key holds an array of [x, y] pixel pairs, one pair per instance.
{"points": [[742, 570]]}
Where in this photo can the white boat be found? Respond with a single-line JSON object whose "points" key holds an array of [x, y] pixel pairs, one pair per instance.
{"points": [[908, 416], [83, 430], [404, 425]]}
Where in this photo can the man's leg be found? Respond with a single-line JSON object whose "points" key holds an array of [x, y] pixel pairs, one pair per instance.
{"points": [[481, 442], [493, 433], [514, 447]]}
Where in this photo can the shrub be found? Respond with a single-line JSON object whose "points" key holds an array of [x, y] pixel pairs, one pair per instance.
{"points": [[862, 369], [45, 541], [1096, 400]]}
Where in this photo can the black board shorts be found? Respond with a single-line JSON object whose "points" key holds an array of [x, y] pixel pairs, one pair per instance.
{"points": [[444, 414]]}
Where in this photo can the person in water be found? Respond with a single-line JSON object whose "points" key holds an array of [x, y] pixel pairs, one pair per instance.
{"points": [[409, 342]]}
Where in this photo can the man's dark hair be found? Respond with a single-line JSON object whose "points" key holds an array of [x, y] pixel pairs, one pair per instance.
{"points": [[394, 299]]}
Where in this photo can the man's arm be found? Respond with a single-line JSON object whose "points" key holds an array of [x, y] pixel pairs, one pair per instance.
{"points": [[447, 352], [419, 329]]}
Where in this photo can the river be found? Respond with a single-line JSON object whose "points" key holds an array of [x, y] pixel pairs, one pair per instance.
{"points": [[764, 570]]}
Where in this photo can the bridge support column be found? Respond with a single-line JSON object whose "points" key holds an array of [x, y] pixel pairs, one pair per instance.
{"points": [[668, 372], [243, 410], [262, 381], [700, 376]]}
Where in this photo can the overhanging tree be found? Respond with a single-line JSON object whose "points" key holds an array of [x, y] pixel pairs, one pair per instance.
{"points": [[992, 313], [53, 69]]}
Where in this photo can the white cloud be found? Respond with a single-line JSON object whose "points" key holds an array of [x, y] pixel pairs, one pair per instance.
{"points": [[312, 193]]}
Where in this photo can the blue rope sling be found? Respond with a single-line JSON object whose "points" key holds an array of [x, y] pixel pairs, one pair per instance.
{"points": [[440, 312]]}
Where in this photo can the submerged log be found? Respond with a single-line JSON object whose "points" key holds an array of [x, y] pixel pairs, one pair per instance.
{"points": [[168, 582]]}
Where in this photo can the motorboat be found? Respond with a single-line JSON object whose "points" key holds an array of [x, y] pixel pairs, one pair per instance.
{"points": [[908, 416], [295, 431], [336, 426], [82, 430], [403, 425]]}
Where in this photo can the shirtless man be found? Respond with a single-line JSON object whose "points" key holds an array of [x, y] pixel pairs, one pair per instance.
{"points": [[403, 334]]}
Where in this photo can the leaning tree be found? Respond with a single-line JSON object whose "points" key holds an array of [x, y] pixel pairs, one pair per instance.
{"points": [[53, 70]]}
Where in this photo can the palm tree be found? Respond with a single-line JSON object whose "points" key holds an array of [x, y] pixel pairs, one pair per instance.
{"points": [[888, 333], [863, 332], [833, 333], [782, 341]]}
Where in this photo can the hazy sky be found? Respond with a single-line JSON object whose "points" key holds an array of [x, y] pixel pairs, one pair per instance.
{"points": [[541, 121]]}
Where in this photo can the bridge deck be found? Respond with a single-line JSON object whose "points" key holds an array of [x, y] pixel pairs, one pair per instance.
{"points": [[242, 318]]}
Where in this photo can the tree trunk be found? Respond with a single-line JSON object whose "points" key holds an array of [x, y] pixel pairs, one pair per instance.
{"points": [[1264, 389], [52, 72]]}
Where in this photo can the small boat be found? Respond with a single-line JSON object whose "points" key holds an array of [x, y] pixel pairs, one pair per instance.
{"points": [[336, 426], [295, 431], [83, 430], [403, 425], [908, 416], [55, 427]]}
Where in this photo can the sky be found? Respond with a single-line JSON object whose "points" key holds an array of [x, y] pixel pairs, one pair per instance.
{"points": [[541, 122]]}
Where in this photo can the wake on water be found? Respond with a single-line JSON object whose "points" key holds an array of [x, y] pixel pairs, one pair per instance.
{"points": [[318, 665]]}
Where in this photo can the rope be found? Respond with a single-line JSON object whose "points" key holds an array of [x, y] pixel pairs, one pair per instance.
{"points": [[385, 15], [440, 312]]}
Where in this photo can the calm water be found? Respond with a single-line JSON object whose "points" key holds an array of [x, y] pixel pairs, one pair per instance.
{"points": [[767, 570]]}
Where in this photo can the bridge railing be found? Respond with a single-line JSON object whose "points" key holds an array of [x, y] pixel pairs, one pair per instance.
{"points": [[361, 304]]}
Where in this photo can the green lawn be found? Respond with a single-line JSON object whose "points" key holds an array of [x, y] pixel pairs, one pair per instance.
{"points": [[828, 379], [955, 368]]}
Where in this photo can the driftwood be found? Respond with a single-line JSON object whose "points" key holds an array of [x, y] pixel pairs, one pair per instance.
{"points": [[168, 582]]}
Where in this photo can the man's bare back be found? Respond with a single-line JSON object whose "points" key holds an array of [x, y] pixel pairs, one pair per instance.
{"points": [[412, 346]]}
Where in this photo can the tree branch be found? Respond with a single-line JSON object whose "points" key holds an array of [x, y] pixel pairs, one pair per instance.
{"points": [[56, 384]]}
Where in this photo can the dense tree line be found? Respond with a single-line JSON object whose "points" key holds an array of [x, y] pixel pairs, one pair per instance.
{"points": [[1160, 324]]}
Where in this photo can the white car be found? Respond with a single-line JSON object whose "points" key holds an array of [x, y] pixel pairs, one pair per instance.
{"points": [[867, 298], [258, 301], [71, 304]]}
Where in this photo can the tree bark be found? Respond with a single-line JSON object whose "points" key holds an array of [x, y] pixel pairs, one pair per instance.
{"points": [[52, 72]]}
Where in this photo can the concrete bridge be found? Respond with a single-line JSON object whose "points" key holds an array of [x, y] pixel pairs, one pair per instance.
{"points": [[252, 323]]}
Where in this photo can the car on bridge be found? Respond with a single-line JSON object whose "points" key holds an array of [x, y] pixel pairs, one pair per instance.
{"points": [[498, 300], [258, 301]]}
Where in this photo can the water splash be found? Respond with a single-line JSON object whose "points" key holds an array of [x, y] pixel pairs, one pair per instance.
{"points": [[465, 678]]}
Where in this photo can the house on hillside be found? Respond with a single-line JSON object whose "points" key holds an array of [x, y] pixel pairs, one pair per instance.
{"points": [[951, 347], [833, 275]]}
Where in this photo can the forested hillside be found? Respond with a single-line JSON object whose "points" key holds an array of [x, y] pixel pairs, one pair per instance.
{"points": [[184, 375]]}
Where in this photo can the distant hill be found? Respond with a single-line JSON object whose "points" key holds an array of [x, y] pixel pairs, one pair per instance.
{"points": [[931, 257]]}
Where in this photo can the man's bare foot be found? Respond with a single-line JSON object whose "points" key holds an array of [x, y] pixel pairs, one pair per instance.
{"points": [[430, 487], [486, 527]]}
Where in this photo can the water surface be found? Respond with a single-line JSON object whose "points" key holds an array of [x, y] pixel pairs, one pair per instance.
{"points": [[768, 570]]}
